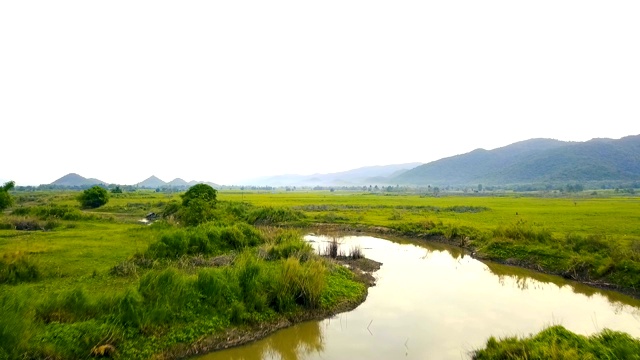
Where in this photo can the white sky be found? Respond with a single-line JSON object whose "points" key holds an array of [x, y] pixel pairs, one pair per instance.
{"points": [[227, 90]]}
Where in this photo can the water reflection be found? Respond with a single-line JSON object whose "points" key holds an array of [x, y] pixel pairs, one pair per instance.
{"points": [[433, 301], [294, 344]]}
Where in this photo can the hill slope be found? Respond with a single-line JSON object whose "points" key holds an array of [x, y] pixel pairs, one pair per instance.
{"points": [[151, 182], [75, 180], [534, 161]]}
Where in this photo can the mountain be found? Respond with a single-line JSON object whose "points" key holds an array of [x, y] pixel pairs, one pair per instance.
{"points": [[177, 182], [534, 161], [356, 177], [152, 182], [75, 180]]}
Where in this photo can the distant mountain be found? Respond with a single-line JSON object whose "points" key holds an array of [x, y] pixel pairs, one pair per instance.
{"points": [[75, 180], [361, 176], [534, 161], [152, 182], [177, 182]]}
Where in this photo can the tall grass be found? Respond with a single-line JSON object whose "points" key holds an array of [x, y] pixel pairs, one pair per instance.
{"points": [[205, 239], [559, 343], [273, 216], [16, 324], [18, 267]]}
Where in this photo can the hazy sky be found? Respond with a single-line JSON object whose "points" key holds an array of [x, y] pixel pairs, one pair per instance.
{"points": [[228, 90]]}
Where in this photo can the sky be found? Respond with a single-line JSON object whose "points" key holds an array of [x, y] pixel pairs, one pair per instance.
{"points": [[224, 91]]}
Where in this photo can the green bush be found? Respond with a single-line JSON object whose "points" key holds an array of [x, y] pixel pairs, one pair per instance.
{"points": [[93, 197]]}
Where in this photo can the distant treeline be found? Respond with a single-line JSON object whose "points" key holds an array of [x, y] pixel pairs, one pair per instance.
{"points": [[574, 187]]}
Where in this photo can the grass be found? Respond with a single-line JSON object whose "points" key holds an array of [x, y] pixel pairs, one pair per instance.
{"points": [[93, 278], [556, 342], [100, 280], [583, 237]]}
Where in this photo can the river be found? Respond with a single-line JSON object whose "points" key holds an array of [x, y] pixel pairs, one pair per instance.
{"points": [[431, 301]]}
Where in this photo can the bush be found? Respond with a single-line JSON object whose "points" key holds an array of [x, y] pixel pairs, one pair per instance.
{"points": [[201, 192], [5, 198], [93, 197]]}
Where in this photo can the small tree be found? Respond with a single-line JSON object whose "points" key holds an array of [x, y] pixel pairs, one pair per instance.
{"points": [[93, 197], [198, 204], [5, 198], [200, 191]]}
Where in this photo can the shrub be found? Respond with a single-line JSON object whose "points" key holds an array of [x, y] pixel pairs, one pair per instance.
{"points": [[202, 192], [93, 197], [5, 198]]}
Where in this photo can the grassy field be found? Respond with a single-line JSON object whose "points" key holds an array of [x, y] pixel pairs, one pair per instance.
{"points": [[77, 283], [583, 215], [75, 279]]}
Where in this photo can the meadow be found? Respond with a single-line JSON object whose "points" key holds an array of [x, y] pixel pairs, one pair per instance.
{"points": [[76, 283], [593, 238], [72, 280]]}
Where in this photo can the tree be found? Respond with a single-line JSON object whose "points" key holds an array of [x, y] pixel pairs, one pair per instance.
{"points": [[198, 204], [5, 198], [93, 197], [200, 191], [116, 190]]}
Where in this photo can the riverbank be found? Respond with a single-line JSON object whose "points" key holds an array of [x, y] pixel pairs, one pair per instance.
{"points": [[474, 248], [361, 269]]}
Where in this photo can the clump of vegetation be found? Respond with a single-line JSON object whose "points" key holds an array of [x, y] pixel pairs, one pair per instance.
{"points": [[559, 343], [355, 253], [93, 197], [18, 267], [331, 250], [5, 197], [287, 244], [273, 216]]}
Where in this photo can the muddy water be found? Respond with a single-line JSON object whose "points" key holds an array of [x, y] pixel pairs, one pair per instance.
{"points": [[432, 302]]}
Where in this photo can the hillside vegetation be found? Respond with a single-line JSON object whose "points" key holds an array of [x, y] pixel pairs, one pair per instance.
{"points": [[534, 161]]}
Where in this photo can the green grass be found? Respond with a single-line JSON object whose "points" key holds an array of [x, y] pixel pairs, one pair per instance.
{"points": [[558, 343], [581, 237], [99, 277]]}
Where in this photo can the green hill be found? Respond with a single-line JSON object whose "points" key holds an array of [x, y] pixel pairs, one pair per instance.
{"points": [[535, 161]]}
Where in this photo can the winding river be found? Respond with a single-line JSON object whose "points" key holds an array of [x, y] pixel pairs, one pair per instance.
{"points": [[433, 302]]}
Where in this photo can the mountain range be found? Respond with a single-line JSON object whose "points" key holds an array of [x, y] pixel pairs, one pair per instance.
{"points": [[533, 161], [75, 180]]}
